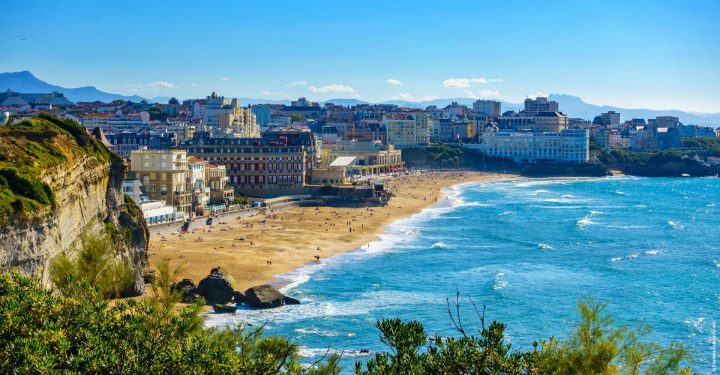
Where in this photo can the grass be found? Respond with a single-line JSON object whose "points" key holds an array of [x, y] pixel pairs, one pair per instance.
{"points": [[31, 149]]}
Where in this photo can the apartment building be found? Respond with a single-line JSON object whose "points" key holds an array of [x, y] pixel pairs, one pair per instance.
{"points": [[163, 175], [255, 167], [566, 146]]}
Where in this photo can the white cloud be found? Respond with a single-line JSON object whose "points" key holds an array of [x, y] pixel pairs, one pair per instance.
{"points": [[465, 83], [410, 98], [275, 94], [482, 94], [150, 87], [225, 78], [335, 88], [394, 82], [458, 83], [296, 83]]}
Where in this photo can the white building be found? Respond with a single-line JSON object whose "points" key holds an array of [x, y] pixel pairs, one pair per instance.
{"points": [[566, 146], [154, 212]]}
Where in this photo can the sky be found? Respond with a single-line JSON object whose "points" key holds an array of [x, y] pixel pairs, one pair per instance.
{"points": [[634, 54]]}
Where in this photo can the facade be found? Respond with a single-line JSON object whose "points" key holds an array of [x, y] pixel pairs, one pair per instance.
{"points": [[217, 181], [610, 118], [490, 108], [567, 146], [407, 130], [124, 142], [221, 113], [15, 99], [549, 122], [371, 157], [254, 167], [539, 104], [163, 175]]}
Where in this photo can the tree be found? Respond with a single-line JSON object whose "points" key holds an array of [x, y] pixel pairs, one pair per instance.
{"points": [[296, 117]]}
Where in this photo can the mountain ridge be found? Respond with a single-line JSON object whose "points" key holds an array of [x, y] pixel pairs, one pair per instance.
{"points": [[573, 106]]}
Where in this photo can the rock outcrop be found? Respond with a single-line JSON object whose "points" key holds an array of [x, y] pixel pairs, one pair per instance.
{"points": [[217, 287], [265, 296], [187, 290], [82, 185]]}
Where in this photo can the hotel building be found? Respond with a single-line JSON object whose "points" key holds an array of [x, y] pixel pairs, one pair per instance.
{"points": [[566, 146]]}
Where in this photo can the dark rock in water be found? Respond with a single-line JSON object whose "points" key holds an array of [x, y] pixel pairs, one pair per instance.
{"points": [[291, 301], [265, 296], [238, 297], [216, 288], [224, 309], [187, 290]]}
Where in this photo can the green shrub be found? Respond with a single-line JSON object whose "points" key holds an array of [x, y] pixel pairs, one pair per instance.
{"points": [[23, 185], [95, 264]]}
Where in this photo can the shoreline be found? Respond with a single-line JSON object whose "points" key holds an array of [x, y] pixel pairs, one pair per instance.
{"points": [[268, 249]]}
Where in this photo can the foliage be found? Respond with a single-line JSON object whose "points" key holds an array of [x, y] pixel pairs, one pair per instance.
{"points": [[45, 333], [296, 117], [157, 114], [95, 264], [711, 145], [445, 156], [34, 147], [595, 346]]}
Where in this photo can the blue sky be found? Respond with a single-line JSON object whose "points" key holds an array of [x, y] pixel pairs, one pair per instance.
{"points": [[650, 54]]}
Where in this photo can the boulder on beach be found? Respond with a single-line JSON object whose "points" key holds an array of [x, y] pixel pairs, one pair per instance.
{"points": [[265, 296], [217, 287], [187, 290], [224, 309], [238, 297]]}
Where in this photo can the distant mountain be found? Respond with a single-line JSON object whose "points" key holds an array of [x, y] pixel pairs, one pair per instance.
{"points": [[26, 82], [576, 107], [573, 106], [441, 103], [345, 102]]}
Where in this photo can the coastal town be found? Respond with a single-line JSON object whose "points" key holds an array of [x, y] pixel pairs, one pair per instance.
{"points": [[198, 156], [326, 188]]}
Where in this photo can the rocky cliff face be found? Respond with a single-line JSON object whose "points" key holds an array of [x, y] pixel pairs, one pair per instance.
{"points": [[86, 185]]}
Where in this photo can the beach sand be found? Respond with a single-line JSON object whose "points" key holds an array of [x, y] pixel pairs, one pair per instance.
{"points": [[281, 241]]}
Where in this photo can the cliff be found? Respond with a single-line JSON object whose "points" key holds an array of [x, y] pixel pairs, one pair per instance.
{"points": [[58, 184]]}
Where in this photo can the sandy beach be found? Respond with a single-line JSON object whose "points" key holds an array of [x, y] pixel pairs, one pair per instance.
{"points": [[256, 248]]}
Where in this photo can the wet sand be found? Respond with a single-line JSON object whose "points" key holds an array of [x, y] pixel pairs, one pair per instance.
{"points": [[256, 248]]}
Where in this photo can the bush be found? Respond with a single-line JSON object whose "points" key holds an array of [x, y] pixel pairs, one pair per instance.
{"points": [[45, 333], [27, 187], [95, 265]]}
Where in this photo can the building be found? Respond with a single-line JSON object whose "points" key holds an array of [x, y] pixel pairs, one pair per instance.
{"points": [[566, 146], [610, 118], [550, 122], [254, 166], [370, 157], [262, 114], [163, 175], [407, 130], [10, 98], [489, 108], [220, 192], [154, 212], [539, 104], [221, 113], [124, 142]]}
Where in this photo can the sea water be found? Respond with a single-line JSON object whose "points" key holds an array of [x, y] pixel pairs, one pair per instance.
{"points": [[527, 250]]}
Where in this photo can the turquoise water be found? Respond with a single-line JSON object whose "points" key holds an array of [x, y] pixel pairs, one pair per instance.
{"points": [[527, 249]]}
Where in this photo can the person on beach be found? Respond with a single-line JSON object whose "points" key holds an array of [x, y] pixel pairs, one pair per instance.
{"points": [[317, 258]]}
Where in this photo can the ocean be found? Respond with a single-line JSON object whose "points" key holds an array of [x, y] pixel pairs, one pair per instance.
{"points": [[527, 250]]}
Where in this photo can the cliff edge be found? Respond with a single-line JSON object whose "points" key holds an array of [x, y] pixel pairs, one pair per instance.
{"points": [[58, 184]]}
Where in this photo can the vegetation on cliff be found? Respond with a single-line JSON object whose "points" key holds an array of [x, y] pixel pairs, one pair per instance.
{"points": [[446, 156], [33, 148]]}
